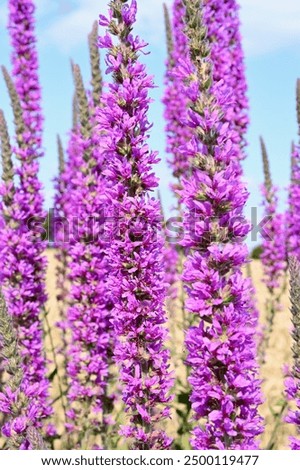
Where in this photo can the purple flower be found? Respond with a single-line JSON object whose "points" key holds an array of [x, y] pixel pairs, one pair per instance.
{"points": [[21, 246], [176, 99], [25, 65], [135, 253], [221, 346], [292, 382], [274, 250], [19, 401], [293, 217], [80, 200], [223, 33], [273, 243]]}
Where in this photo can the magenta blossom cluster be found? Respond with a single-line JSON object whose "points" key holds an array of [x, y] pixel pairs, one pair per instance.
{"points": [[61, 225], [88, 316], [292, 386], [136, 262], [81, 205], [29, 416], [175, 100], [274, 248], [61, 255], [292, 382], [223, 33], [293, 212], [221, 348], [177, 132], [25, 64], [21, 245]]}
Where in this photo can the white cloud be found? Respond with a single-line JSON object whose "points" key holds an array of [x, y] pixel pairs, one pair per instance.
{"points": [[74, 23], [269, 25]]}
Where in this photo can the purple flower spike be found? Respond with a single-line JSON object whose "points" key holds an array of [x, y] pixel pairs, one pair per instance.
{"points": [[274, 251], [223, 33], [136, 250], [80, 202], [292, 383], [221, 347], [25, 65], [293, 213], [176, 100], [21, 246]]}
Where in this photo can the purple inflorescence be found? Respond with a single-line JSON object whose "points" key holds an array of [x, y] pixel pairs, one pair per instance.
{"points": [[23, 262], [292, 383], [136, 262], [175, 100], [274, 249], [293, 213], [25, 66], [82, 206], [274, 245], [221, 348], [223, 33]]}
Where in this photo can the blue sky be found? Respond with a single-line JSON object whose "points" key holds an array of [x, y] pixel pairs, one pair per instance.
{"points": [[272, 42]]}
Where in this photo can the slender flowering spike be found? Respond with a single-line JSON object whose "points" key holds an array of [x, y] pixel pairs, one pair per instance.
{"points": [[64, 211], [21, 245], [35, 439], [293, 382], [16, 106], [61, 155], [88, 315], [298, 104], [17, 399], [267, 173], [221, 348], [95, 65], [82, 102], [274, 253], [274, 250], [75, 112], [7, 166], [6, 151], [9, 349], [59, 229], [178, 133], [175, 98], [223, 34], [25, 64], [170, 259], [169, 34], [293, 212], [137, 275]]}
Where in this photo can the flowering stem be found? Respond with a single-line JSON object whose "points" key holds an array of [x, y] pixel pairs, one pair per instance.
{"points": [[273, 256], [137, 276], [293, 382], [15, 400], [218, 295], [97, 82]]}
